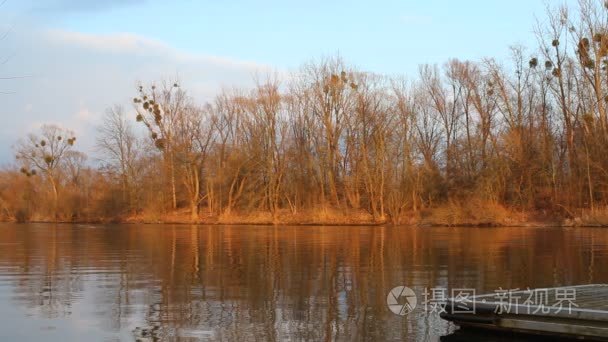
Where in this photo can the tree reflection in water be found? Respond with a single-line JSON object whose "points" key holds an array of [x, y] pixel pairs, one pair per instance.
{"points": [[270, 283]]}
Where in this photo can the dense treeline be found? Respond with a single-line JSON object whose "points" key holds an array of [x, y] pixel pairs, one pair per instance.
{"points": [[529, 136]]}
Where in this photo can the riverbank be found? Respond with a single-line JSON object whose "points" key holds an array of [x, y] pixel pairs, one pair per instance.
{"points": [[449, 215]]}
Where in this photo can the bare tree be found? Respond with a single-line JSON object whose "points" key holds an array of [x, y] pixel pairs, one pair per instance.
{"points": [[45, 152], [159, 110], [117, 145]]}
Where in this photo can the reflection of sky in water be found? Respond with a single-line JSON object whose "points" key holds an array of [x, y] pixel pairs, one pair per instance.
{"points": [[243, 283], [79, 321]]}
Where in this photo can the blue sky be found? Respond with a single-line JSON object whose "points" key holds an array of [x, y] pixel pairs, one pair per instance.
{"points": [[385, 36], [85, 55]]}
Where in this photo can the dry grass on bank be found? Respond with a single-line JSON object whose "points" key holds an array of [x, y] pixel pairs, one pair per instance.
{"points": [[327, 216], [323, 216], [589, 218], [471, 213], [451, 214]]}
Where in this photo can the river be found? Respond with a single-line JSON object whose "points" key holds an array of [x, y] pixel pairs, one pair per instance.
{"points": [[247, 283]]}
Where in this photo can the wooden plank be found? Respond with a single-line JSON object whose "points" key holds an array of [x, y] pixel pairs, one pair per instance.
{"points": [[588, 318], [554, 328], [589, 298]]}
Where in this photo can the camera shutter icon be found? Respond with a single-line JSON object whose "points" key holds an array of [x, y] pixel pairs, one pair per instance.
{"points": [[401, 300]]}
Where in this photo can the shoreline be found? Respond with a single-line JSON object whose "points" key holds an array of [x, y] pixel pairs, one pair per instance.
{"points": [[446, 216], [527, 224]]}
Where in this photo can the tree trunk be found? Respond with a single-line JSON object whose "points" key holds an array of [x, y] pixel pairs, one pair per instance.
{"points": [[55, 196]]}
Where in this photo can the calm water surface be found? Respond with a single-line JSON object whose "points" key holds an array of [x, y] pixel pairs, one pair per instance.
{"points": [[240, 283]]}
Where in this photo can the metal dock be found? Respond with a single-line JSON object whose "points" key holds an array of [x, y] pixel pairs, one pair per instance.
{"points": [[569, 312]]}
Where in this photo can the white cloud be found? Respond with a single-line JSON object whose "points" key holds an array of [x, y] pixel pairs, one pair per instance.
{"points": [[117, 42], [76, 76], [129, 43], [84, 115]]}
